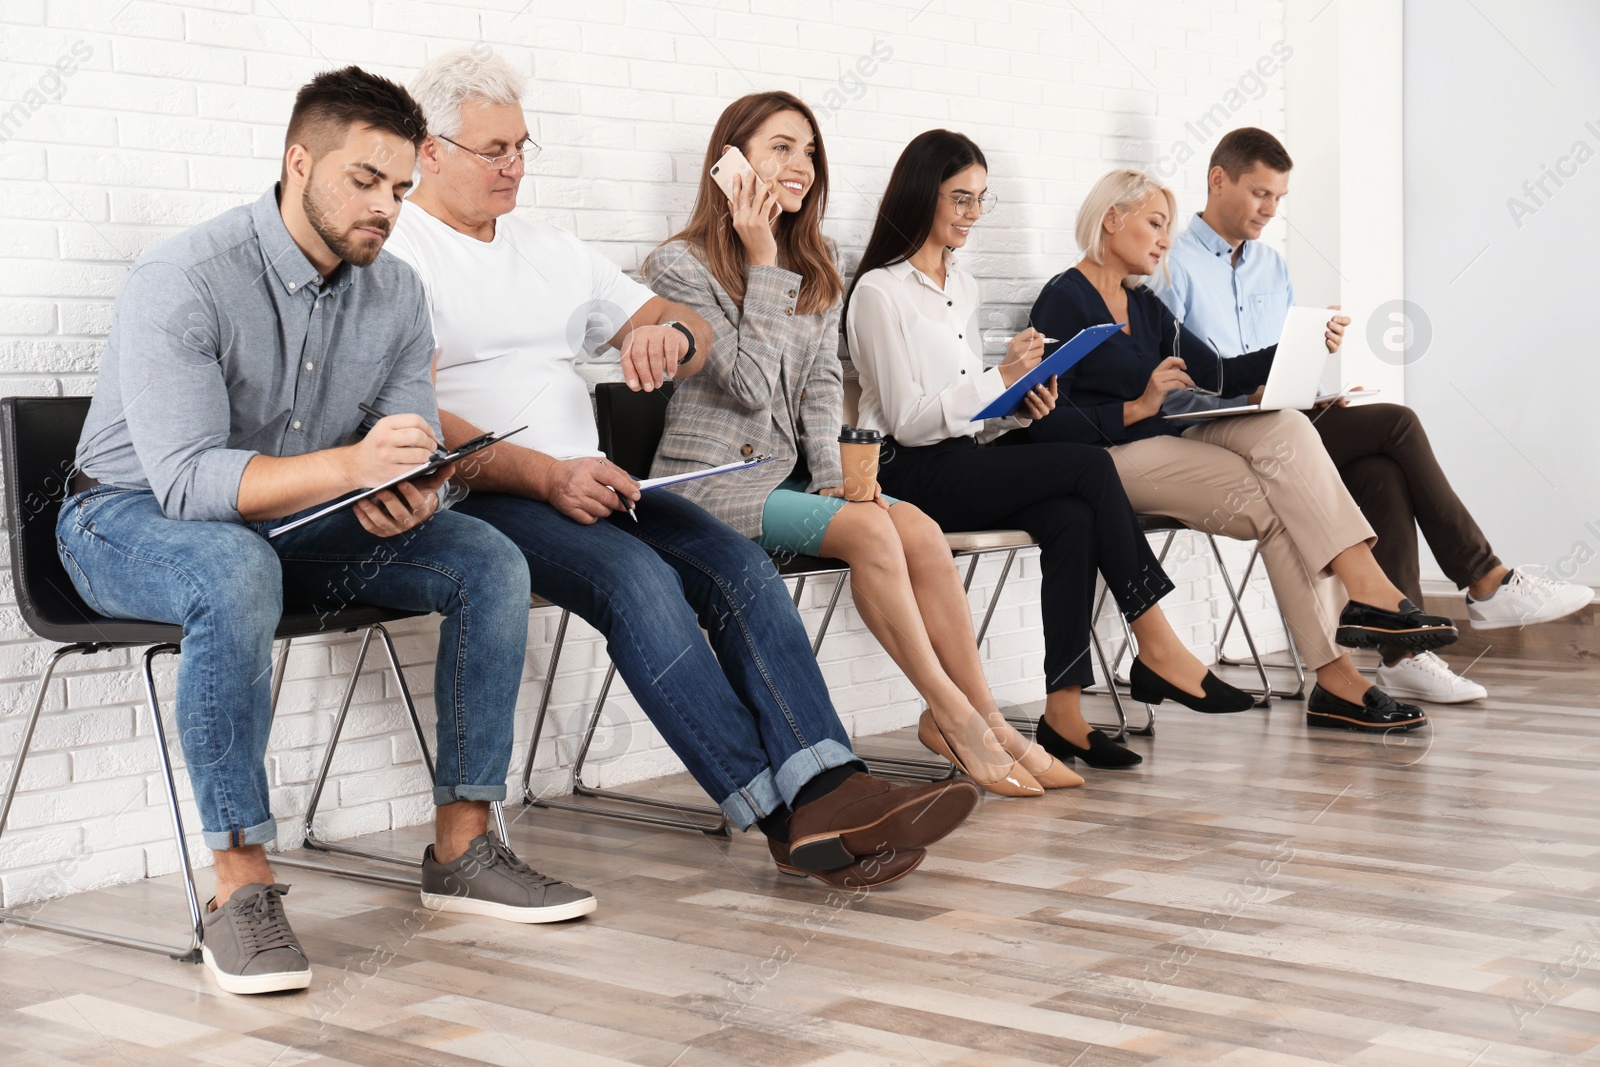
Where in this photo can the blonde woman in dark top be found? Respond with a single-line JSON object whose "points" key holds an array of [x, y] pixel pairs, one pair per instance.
{"points": [[1263, 477], [758, 269]]}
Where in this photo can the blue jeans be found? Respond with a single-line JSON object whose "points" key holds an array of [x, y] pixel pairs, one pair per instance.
{"points": [[750, 715], [226, 584]]}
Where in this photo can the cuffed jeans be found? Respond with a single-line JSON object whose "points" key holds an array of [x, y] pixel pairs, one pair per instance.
{"points": [[750, 715], [226, 584]]}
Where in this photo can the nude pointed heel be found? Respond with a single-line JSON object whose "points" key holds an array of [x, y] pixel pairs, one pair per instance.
{"points": [[1011, 782]]}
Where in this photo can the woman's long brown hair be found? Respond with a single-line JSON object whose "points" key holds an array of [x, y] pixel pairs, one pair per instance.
{"points": [[801, 247]]}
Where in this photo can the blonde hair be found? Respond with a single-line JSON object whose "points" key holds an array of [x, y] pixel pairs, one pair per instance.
{"points": [[1120, 191]]}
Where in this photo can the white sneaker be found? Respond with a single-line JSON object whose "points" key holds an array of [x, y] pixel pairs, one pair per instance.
{"points": [[1425, 676], [1527, 597]]}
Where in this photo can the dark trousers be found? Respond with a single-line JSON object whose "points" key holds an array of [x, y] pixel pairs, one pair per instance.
{"points": [[1069, 499], [1384, 457]]}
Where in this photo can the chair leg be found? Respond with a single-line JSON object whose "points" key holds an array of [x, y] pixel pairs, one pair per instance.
{"points": [[1233, 613], [544, 707], [310, 840], [718, 826], [1265, 695], [190, 952], [1294, 663], [994, 599], [1122, 730], [827, 616]]}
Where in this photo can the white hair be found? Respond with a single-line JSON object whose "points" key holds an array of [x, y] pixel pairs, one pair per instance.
{"points": [[459, 76], [1120, 191]]}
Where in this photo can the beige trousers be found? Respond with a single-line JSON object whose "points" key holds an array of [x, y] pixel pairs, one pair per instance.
{"points": [[1265, 478]]}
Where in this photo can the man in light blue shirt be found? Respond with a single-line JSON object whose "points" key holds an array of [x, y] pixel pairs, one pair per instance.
{"points": [[1231, 290], [1234, 298]]}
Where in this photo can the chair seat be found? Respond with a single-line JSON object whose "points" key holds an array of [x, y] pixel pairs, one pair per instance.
{"points": [[985, 540], [798, 565], [1156, 523], [296, 622]]}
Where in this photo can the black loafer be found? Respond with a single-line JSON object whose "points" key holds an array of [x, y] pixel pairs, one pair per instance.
{"points": [[1407, 627], [1220, 698], [1102, 753], [1378, 712]]}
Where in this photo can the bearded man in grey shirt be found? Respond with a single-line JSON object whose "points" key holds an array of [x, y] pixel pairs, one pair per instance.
{"points": [[239, 357]]}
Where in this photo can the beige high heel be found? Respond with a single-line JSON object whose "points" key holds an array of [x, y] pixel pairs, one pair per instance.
{"points": [[1055, 775], [1013, 781]]}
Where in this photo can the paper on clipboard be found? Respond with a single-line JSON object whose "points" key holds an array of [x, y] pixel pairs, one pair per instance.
{"points": [[477, 444], [1058, 362], [689, 476]]}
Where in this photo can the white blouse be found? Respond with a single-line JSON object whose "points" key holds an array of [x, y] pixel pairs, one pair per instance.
{"points": [[919, 351]]}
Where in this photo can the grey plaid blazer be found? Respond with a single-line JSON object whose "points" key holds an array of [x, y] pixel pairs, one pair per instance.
{"points": [[771, 383]]}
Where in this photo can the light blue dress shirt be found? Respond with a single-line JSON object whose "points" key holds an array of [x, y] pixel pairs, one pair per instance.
{"points": [[1237, 308], [226, 343]]}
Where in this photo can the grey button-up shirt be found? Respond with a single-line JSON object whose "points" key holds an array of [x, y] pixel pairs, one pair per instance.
{"points": [[226, 343]]}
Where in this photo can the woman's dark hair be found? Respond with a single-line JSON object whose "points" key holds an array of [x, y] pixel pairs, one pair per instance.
{"points": [[905, 217]]}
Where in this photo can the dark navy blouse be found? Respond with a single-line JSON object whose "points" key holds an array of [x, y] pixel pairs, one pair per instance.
{"points": [[1089, 410]]}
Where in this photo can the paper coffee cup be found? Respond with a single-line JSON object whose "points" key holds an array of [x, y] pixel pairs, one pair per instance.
{"points": [[859, 450]]}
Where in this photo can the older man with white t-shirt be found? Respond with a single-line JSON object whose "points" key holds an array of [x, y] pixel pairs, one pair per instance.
{"points": [[512, 303]]}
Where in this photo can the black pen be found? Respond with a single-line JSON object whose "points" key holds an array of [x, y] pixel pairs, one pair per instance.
{"points": [[437, 453], [626, 503]]}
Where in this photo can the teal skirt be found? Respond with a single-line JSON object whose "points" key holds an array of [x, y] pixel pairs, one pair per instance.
{"points": [[794, 520]]}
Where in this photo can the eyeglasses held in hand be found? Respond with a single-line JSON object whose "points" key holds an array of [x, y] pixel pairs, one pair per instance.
{"points": [[528, 152], [1197, 389]]}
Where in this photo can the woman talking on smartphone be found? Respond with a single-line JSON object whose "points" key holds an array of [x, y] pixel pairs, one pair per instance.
{"points": [[911, 320], [754, 262]]}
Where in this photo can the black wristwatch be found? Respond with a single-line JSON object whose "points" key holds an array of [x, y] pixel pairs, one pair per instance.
{"points": [[688, 335]]}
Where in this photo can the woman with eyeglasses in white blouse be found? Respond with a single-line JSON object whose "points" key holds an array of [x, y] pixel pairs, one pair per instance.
{"points": [[912, 325]]}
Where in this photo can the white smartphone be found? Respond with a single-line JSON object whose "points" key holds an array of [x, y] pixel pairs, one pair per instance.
{"points": [[732, 163]]}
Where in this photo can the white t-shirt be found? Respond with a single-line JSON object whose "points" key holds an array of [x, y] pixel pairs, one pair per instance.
{"points": [[510, 316]]}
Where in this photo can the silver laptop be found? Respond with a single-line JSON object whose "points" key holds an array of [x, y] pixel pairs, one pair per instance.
{"points": [[1296, 368]]}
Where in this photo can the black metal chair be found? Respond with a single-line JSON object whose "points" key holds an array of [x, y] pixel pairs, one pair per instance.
{"points": [[38, 436]]}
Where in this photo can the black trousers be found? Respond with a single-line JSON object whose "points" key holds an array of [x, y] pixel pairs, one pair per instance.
{"points": [[1387, 463], [1069, 499]]}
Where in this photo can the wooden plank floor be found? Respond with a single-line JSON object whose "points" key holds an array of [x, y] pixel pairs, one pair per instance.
{"points": [[1253, 893]]}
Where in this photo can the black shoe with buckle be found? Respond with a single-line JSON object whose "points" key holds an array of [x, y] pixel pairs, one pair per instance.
{"points": [[1407, 627], [1378, 712]]}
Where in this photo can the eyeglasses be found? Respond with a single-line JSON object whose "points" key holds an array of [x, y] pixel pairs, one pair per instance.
{"points": [[965, 202], [527, 152], [1197, 389]]}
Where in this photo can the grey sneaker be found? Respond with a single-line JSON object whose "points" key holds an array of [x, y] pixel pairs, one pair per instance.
{"points": [[488, 879], [249, 946]]}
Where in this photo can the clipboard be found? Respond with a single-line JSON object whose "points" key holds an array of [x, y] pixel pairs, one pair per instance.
{"points": [[477, 444], [1058, 362], [674, 479]]}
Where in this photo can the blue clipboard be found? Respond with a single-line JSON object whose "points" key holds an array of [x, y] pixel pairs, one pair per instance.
{"points": [[1058, 362]]}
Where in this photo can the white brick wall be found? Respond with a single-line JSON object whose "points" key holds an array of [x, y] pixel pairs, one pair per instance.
{"points": [[122, 121]]}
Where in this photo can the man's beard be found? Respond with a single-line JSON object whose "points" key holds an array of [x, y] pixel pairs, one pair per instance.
{"points": [[345, 245]]}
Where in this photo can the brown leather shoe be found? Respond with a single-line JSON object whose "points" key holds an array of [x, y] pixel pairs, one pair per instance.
{"points": [[867, 815], [869, 872]]}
